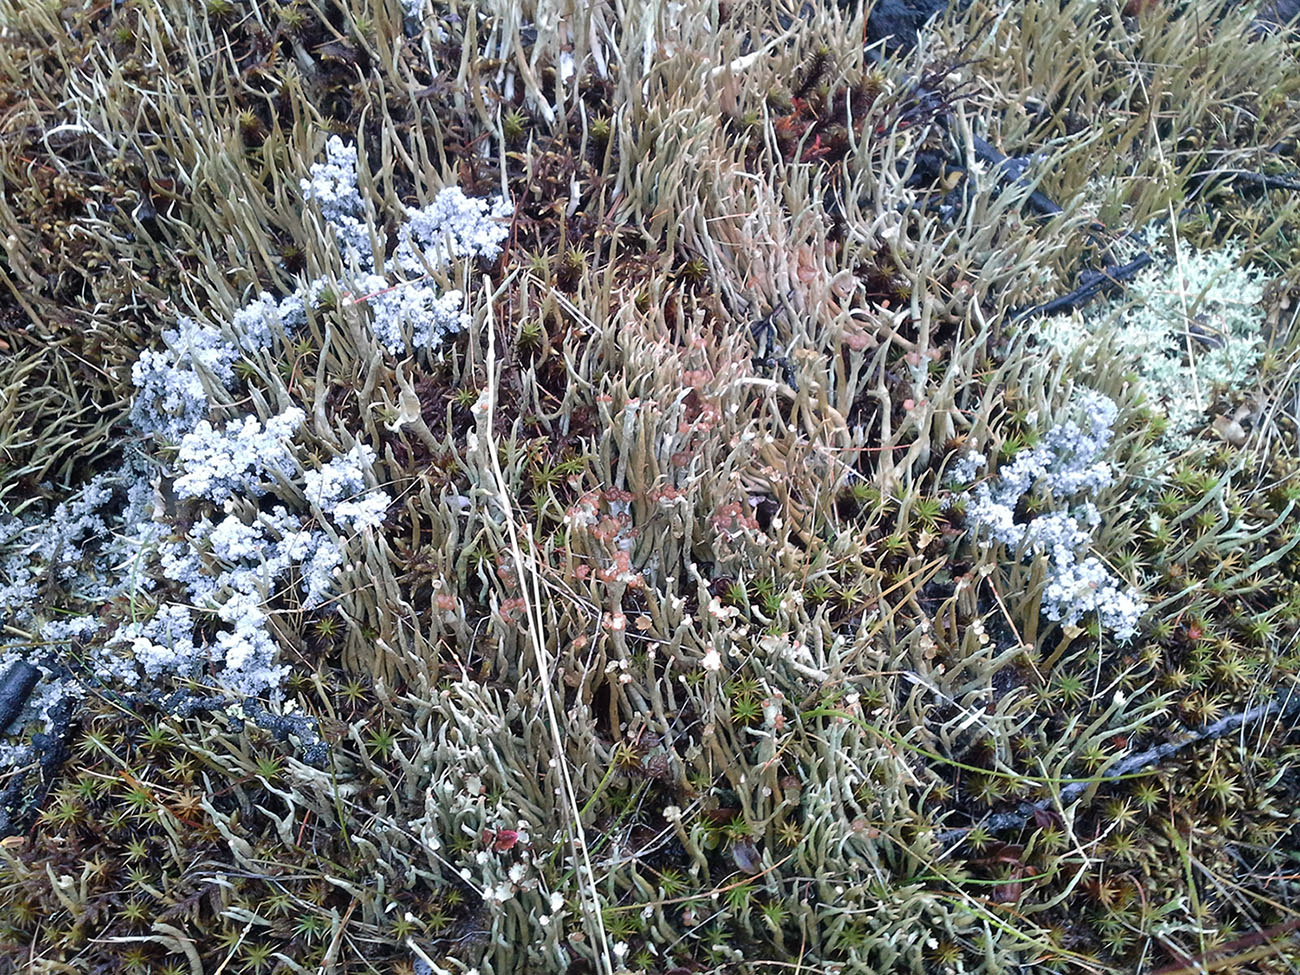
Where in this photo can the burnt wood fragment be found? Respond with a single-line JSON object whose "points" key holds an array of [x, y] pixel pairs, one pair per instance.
{"points": [[15, 688]]}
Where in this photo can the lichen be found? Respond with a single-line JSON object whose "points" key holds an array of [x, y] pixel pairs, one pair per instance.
{"points": [[525, 489], [1193, 328]]}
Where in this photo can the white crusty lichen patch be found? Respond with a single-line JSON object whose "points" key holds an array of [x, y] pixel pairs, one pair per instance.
{"points": [[224, 510], [406, 310], [1066, 470]]}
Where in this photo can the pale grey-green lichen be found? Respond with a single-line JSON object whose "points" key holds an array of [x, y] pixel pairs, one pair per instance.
{"points": [[1191, 325]]}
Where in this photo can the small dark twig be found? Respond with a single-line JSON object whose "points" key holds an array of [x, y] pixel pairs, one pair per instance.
{"points": [[1012, 172], [764, 333], [1281, 707], [1239, 178], [20, 802], [1094, 283], [15, 688]]}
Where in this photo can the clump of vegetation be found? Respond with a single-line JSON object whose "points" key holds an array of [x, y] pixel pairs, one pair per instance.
{"points": [[508, 489]]}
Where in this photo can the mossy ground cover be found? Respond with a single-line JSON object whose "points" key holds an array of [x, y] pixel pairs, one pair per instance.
{"points": [[679, 648]]}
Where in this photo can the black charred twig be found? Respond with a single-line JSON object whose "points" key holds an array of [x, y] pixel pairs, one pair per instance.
{"points": [[1244, 178], [1094, 283], [1012, 172], [1282, 706], [764, 334], [15, 688], [20, 803]]}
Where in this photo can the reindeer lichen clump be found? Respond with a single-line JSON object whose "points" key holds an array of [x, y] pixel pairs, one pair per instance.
{"points": [[1194, 329]]}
